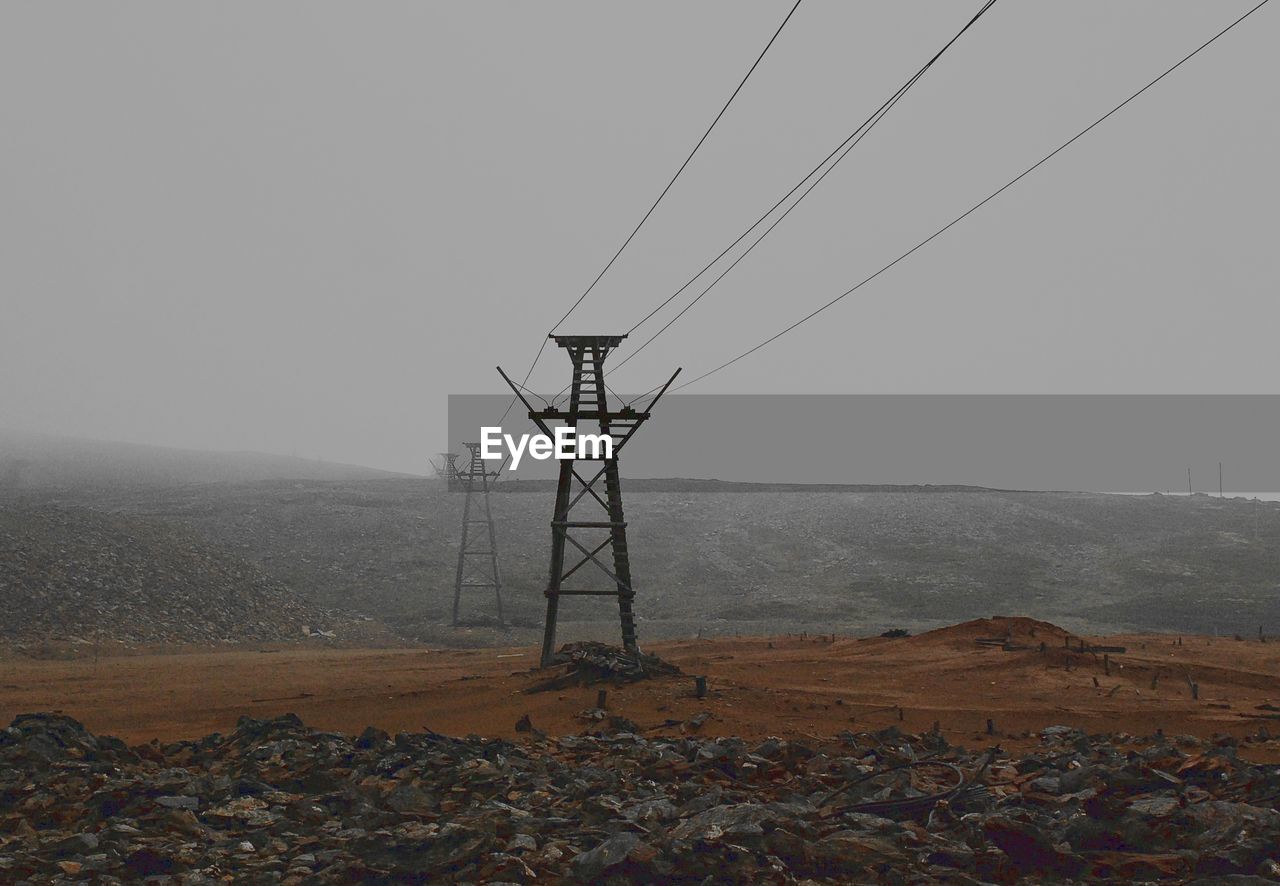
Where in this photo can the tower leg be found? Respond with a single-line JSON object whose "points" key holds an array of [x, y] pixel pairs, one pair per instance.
{"points": [[621, 556], [559, 517]]}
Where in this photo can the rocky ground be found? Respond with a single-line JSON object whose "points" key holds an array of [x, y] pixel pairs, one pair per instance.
{"points": [[275, 801], [76, 577]]}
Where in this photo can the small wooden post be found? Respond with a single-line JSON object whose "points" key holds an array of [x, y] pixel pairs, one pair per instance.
{"points": [[602, 698], [700, 686]]}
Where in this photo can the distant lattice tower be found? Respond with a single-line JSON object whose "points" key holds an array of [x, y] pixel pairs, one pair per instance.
{"points": [[447, 469], [478, 552]]}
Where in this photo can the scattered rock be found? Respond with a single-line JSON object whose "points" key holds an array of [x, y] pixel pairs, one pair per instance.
{"points": [[609, 854], [275, 801]]}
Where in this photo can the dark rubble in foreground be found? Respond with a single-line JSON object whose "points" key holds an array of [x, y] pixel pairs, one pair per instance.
{"points": [[275, 801]]}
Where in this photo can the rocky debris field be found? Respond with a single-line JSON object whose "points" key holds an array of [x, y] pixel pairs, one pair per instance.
{"points": [[275, 801], [76, 576]]}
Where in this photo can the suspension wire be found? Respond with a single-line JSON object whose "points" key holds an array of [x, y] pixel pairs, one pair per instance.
{"points": [[637, 399], [839, 153], [630, 236], [609, 389], [533, 393], [645, 218], [838, 148], [993, 195], [885, 110]]}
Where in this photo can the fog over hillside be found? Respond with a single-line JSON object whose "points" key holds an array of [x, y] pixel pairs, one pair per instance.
{"points": [[30, 461], [711, 559]]}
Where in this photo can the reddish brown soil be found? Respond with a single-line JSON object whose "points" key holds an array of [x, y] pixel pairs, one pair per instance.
{"points": [[784, 686]]}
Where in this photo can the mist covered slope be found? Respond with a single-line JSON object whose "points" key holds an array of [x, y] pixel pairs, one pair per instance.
{"points": [[764, 562], [42, 462], [74, 575], [706, 556]]}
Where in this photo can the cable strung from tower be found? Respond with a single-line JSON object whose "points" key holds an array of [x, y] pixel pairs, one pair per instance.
{"points": [[841, 151], [981, 203], [645, 217]]}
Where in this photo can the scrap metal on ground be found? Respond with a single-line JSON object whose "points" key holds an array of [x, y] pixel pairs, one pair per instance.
{"points": [[587, 663]]}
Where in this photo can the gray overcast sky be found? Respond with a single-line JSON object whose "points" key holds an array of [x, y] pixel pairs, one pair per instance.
{"points": [[298, 226]]}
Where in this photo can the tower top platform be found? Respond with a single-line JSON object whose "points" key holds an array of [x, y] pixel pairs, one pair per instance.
{"points": [[587, 341]]}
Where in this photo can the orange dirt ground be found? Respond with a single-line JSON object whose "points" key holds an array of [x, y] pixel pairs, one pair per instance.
{"points": [[784, 686]]}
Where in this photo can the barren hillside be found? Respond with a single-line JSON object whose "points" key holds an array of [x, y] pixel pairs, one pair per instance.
{"points": [[758, 562], [73, 576]]}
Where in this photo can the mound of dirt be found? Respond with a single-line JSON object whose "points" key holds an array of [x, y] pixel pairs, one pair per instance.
{"points": [[1011, 629], [74, 575]]}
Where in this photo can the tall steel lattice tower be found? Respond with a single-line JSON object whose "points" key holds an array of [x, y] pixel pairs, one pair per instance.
{"points": [[478, 552], [588, 403]]}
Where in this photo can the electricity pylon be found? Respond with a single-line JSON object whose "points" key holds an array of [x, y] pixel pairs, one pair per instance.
{"points": [[447, 468], [588, 402], [475, 482]]}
